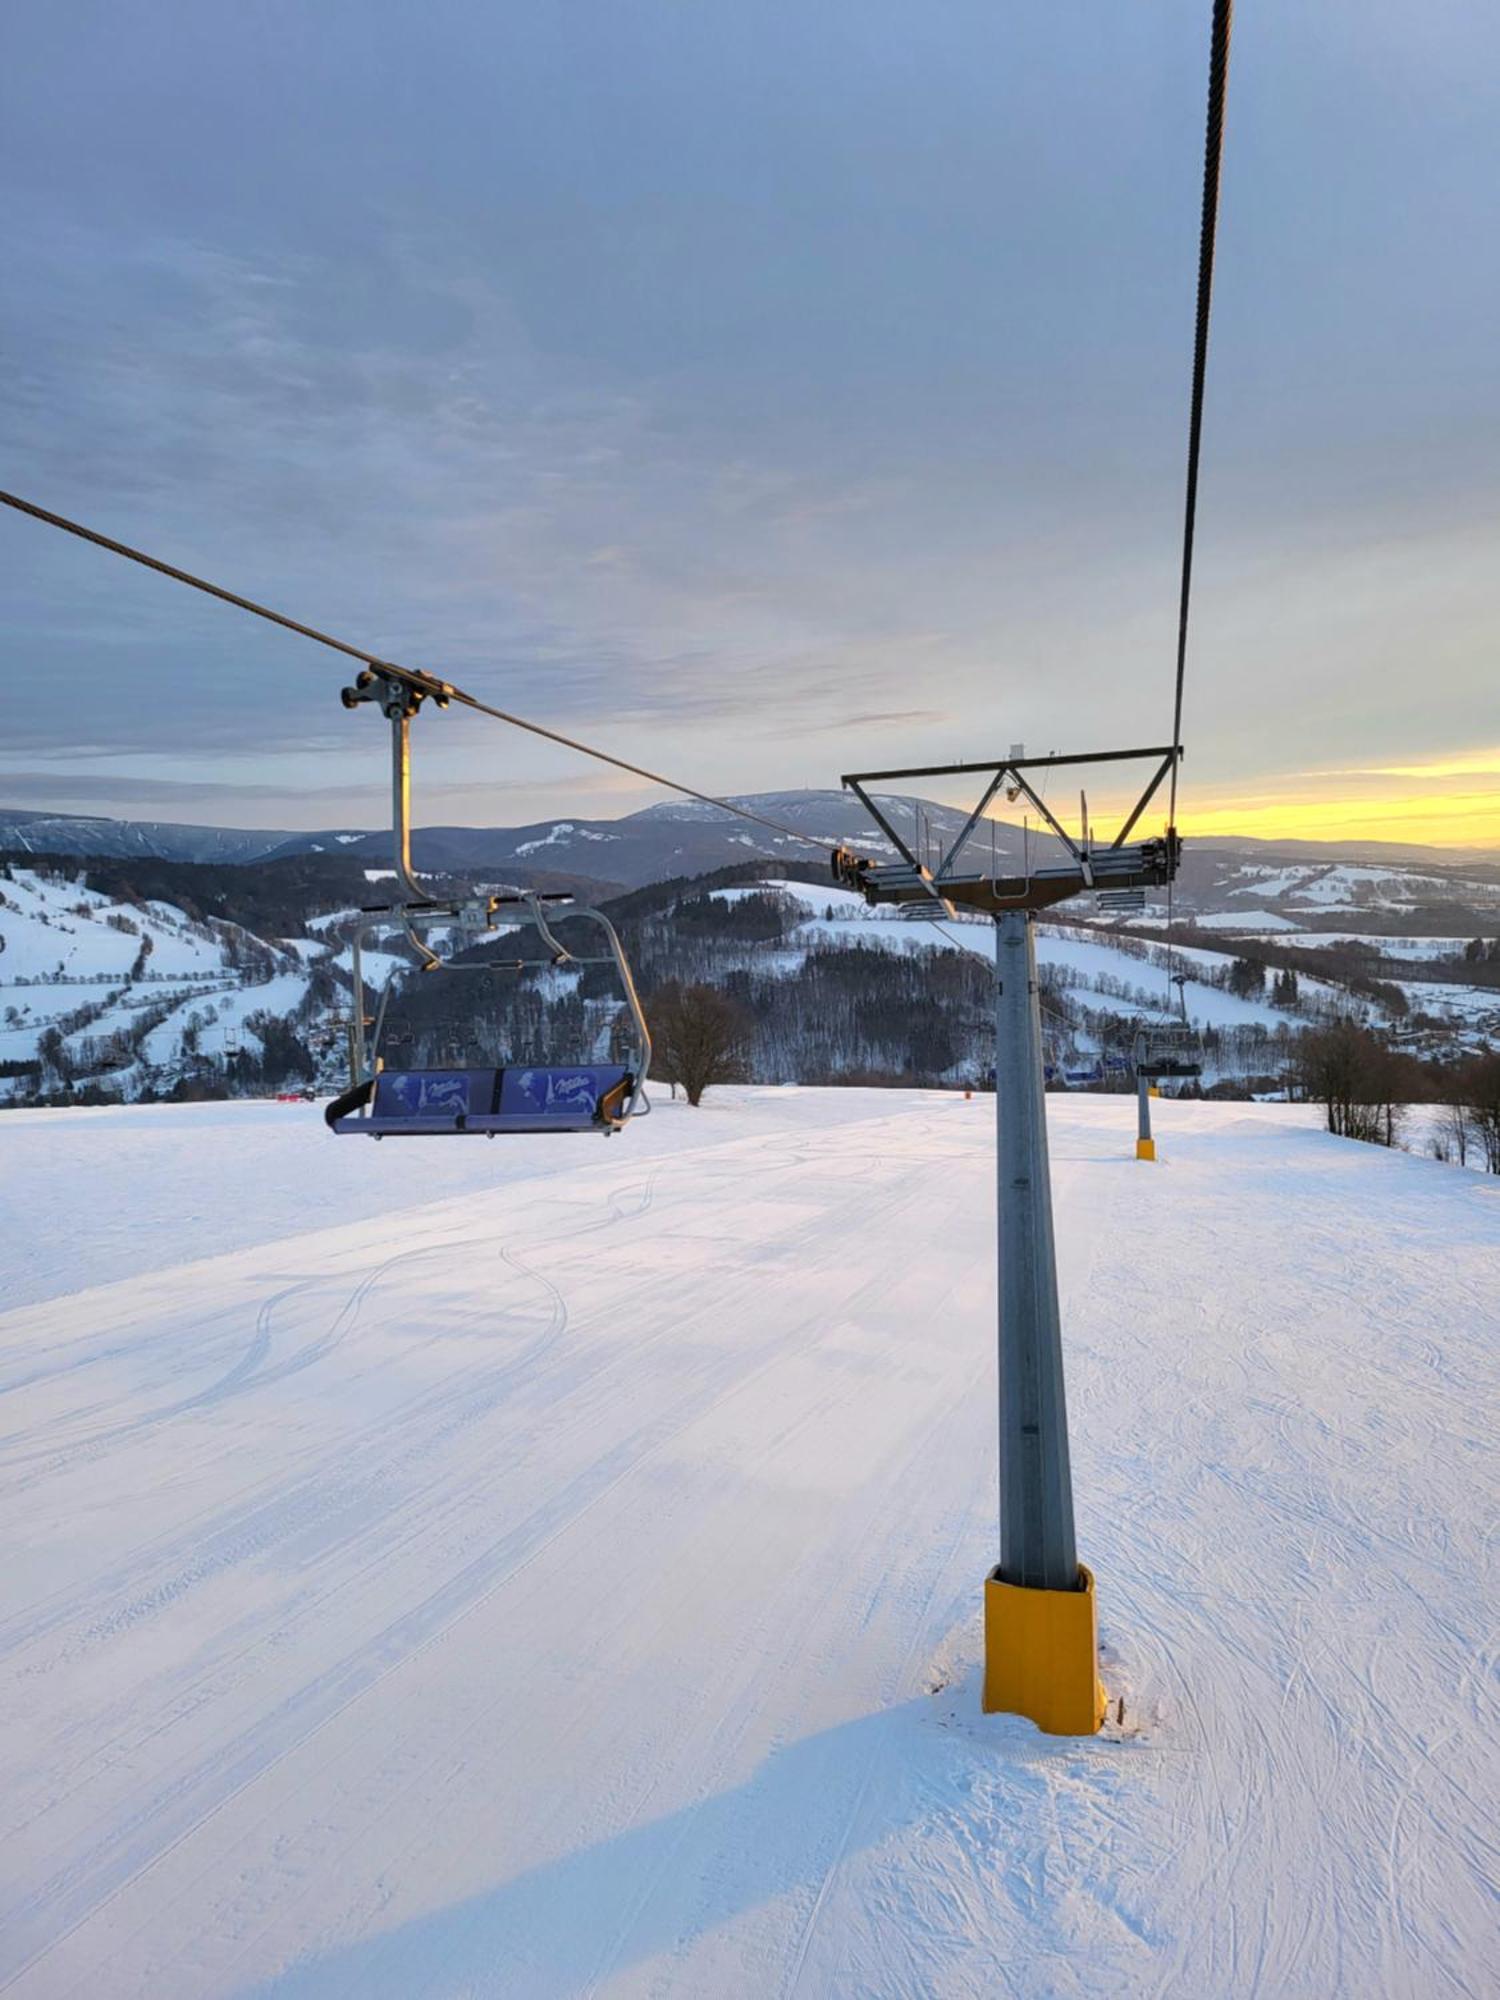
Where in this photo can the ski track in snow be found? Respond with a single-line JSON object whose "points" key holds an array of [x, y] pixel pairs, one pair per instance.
{"points": [[552, 1570]]}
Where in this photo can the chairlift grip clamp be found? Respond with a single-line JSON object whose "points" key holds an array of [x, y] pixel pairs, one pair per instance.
{"points": [[396, 694]]}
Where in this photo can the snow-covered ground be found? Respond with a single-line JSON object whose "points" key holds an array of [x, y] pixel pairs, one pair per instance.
{"points": [[66, 951], [1477, 1004], [1344, 885], [53, 928], [1388, 947], [224, 1014], [553, 1568], [1243, 923]]}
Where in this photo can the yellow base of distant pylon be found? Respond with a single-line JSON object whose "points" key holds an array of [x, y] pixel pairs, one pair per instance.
{"points": [[1041, 1655], [1145, 1149]]}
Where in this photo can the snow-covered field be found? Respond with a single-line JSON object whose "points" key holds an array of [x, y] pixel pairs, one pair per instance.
{"points": [[1343, 886], [553, 1568], [1243, 923], [1389, 947]]}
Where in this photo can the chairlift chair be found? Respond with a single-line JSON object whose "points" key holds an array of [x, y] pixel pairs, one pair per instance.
{"points": [[495, 1097], [1168, 1049], [1087, 1073]]}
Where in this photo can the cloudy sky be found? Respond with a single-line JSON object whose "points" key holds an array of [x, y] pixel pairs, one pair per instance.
{"points": [[763, 390]]}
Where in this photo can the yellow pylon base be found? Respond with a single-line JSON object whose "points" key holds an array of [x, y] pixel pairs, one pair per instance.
{"points": [[1145, 1149], [1152, 1091], [1041, 1655]]}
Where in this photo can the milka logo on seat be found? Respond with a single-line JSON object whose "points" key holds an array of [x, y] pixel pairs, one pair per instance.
{"points": [[557, 1089], [416, 1095]]}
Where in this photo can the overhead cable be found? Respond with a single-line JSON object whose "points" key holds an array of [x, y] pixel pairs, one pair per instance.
{"points": [[415, 678], [1213, 150], [1213, 146]]}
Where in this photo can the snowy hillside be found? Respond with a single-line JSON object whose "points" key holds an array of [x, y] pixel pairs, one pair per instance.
{"points": [[1097, 970], [553, 1568], [135, 995], [92, 987]]}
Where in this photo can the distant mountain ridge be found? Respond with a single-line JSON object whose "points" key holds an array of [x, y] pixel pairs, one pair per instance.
{"points": [[685, 837], [678, 837]]}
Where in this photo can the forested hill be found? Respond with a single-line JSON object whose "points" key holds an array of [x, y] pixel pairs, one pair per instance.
{"points": [[132, 977]]}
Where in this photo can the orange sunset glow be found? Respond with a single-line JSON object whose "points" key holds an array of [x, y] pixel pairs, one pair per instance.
{"points": [[1449, 800]]}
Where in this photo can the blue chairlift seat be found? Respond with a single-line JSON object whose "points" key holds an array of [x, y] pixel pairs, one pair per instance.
{"points": [[1167, 1050], [432, 1103], [1092, 1073]]}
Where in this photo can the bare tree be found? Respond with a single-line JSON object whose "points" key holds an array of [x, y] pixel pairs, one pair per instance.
{"points": [[1360, 1082], [699, 1037], [1453, 1134], [1481, 1086]]}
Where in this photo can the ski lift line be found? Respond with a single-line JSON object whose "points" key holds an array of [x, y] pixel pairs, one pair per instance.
{"points": [[1213, 148], [423, 683]]}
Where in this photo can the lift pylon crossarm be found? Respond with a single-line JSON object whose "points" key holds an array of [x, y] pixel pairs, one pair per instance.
{"points": [[1147, 864], [978, 766], [1088, 863]]}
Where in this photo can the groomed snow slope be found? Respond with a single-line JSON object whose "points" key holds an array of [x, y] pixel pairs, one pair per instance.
{"points": [[552, 1568]]}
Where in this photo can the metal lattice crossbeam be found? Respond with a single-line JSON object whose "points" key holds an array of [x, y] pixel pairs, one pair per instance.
{"points": [[1087, 864]]}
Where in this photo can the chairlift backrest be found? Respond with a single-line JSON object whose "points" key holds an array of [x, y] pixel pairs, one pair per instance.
{"points": [[1168, 1049], [493, 1097], [434, 1103]]}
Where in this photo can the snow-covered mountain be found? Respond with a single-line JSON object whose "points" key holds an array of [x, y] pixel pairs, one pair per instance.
{"points": [[86, 835], [678, 837], [1242, 887]]}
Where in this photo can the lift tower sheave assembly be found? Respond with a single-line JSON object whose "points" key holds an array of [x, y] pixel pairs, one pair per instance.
{"points": [[1040, 1622]]}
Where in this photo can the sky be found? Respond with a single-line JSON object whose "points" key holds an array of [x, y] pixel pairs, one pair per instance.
{"points": [[761, 391]]}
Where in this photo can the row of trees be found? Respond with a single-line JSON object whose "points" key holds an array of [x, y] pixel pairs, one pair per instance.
{"points": [[1366, 1088]]}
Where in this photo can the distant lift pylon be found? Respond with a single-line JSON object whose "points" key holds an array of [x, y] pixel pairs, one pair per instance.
{"points": [[500, 1096]]}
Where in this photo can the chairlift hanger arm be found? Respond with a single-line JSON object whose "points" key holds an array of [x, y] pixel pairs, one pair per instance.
{"points": [[399, 697]]}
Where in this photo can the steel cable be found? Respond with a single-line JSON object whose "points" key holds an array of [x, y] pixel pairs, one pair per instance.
{"points": [[1213, 149], [1213, 146], [427, 683]]}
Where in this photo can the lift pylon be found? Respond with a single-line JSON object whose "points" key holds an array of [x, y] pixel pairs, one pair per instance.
{"points": [[1041, 1646]]}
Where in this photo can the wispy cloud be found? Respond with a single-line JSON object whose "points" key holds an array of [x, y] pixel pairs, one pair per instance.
{"points": [[63, 789], [883, 718], [1461, 764], [682, 384]]}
